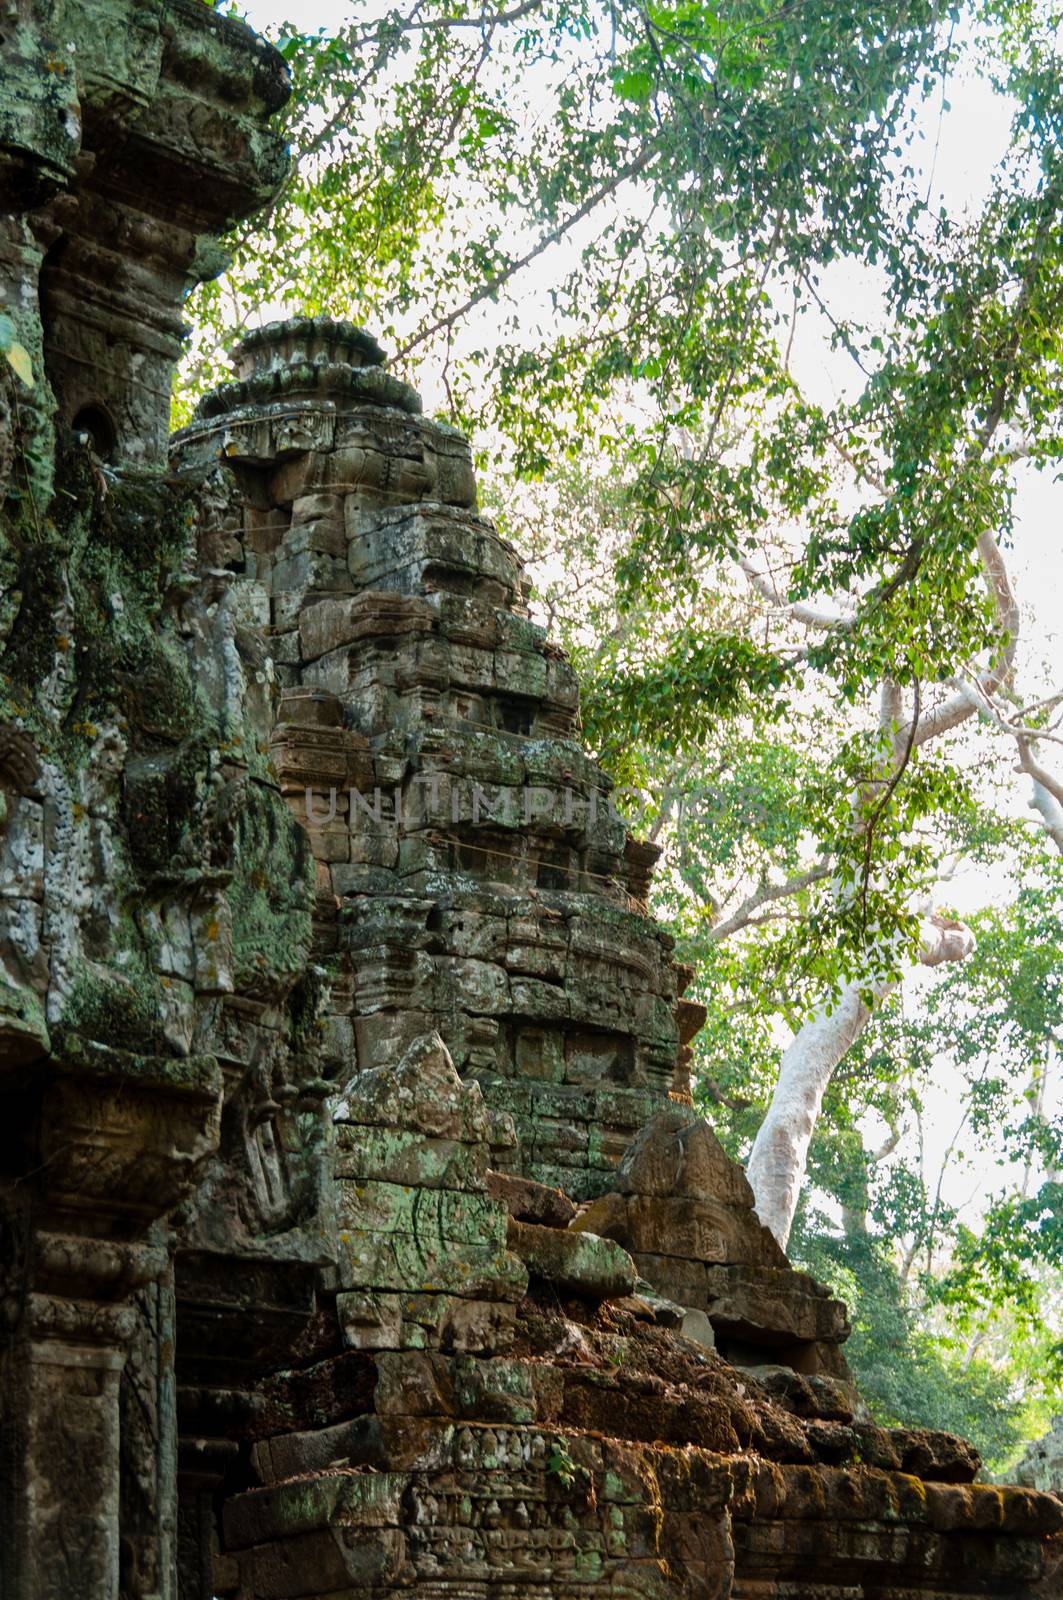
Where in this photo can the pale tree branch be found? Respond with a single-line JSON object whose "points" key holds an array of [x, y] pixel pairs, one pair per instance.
{"points": [[1047, 790], [951, 713], [486, 19], [1047, 796], [802, 611], [492, 285], [767, 894], [886, 1148], [777, 1162]]}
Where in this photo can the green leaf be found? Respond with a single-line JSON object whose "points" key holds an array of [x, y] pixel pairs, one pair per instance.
{"points": [[18, 359]]}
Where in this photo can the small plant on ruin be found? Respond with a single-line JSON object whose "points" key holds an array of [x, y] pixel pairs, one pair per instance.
{"points": [[560, 1465]]}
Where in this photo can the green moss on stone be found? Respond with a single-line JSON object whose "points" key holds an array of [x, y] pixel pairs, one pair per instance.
{"points": [[122, 1012], [271, 894]]}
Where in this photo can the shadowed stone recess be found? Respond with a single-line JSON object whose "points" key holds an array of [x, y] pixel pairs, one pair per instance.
{"points": [[358, 1238]]}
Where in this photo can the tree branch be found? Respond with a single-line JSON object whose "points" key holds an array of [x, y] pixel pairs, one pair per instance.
{"points": [[500, 279], [942, 719], [765, 895], [777, 1161], [802, 611]]}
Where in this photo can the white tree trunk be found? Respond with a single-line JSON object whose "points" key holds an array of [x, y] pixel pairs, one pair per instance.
{"points": [[1047, 797], [776, 1167]]}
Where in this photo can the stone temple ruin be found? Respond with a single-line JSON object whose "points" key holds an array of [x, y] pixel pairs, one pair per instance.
{"points": [[358, 1239]]}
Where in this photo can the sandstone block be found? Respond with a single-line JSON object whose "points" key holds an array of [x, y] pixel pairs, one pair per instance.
{"points": [[327, 625], [310, 708], [770, 1304], [407, 1158], [283, 646], [527, 1201], [318, 508], [466, 1324], [370, 1319], [334, 1557], [289, 1455], [302, 1506], [428, 1264], [422, 1092], [309, 572], [436, 1216], [697, 1327], [577, 1263], [320, 536]]}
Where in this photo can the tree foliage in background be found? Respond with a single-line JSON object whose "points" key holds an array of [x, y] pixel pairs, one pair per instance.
{"points": [[956, 1309], [956, 1313]]}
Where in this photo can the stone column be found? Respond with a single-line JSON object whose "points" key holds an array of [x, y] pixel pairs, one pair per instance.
{"points": [[87, 1441], [59, 1383]]}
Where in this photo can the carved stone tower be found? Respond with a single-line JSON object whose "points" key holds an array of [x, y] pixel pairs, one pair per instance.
{"points": [[484, 886]]}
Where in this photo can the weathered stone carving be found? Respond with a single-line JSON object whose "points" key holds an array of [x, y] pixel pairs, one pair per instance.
{"points": [[1041, 1466], [482, 880], [685, 1211], [357, 1235]]}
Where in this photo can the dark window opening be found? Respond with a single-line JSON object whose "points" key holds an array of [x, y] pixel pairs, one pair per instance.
{"points": [[558, 870], [98, 425], [514, 716]]}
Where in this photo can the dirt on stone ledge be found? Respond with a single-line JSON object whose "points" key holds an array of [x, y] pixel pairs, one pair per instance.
{"points": [[626, 1378]]}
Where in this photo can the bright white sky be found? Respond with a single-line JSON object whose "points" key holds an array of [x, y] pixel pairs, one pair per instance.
{"points": [[959, 151]]}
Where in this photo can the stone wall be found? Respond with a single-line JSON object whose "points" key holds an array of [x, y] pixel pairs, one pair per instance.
{"points": [[151, 991], [1041, 1466], [357, 1235]]}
